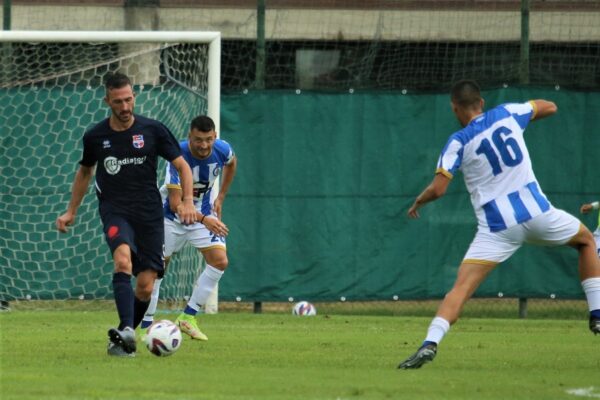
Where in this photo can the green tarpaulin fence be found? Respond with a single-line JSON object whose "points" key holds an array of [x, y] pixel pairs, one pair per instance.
{"points": [[318, 206]]}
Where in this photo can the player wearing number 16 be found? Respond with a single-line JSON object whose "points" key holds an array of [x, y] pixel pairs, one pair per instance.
{"points": [[510, 206]]}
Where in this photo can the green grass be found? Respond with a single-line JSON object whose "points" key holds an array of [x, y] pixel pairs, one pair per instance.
{"points": [[62, 355]]}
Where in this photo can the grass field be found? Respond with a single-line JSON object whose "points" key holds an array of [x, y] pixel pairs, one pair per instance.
{"points": [[62, 355]]}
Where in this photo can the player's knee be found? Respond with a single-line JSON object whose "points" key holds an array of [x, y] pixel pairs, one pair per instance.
{"points": [[145, 284], [220, 263], [123, 264], [144, 293], [589, 238], [583, 238], [122, 259], [143, 290], [216, 258]]}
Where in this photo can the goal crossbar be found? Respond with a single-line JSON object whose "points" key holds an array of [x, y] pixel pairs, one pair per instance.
{"points": [[213, 39], [109, 36]]}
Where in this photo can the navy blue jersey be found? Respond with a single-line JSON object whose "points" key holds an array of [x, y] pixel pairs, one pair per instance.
{"points": [[126, 165]]}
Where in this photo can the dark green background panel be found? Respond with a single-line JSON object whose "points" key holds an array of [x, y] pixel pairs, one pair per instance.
{"points": [[318, 206], [318, 209]]}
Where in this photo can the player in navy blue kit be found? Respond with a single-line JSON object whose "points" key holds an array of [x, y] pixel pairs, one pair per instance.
{"points": [[209, 158], [124, 150]]}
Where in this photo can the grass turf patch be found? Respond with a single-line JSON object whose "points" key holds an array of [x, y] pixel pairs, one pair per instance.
{"points": [[62, 355]]}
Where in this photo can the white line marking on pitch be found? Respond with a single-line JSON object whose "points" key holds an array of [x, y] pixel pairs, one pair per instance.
{"points": [[585, 392]]}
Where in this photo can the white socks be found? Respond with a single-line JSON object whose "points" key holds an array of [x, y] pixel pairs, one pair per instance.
{"points": [[591, 287], [207, 281], [439, 326], [149, 316], [437, 330]]}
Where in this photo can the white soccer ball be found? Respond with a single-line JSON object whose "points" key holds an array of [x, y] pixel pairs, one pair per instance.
{"points": [[163, 338], [304, 308]]}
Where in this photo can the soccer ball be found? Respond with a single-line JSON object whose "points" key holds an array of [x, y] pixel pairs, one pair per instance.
{"points": [[163, 338], [304, 308]]}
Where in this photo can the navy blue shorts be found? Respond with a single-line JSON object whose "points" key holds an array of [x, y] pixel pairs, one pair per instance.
{"points": [[146, 240]]}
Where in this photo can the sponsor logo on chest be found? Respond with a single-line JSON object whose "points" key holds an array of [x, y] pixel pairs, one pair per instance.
{"points": [[113, 165], [138, 141]]}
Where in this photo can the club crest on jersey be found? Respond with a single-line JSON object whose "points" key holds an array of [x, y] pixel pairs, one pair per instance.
{"points": [[138, 141], [106, 144]]}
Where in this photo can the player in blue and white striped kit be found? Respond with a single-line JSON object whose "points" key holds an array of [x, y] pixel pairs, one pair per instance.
{"points": [[209, 158], [510, 206]]}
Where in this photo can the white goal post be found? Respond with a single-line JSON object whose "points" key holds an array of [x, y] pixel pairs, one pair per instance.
{"points": [[213, 39], [54, 77]]}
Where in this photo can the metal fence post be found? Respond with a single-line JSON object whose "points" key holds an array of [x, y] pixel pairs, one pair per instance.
{"points": [[524, 67], [522, 307]]}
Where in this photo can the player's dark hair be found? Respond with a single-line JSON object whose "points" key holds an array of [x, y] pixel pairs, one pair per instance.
{"points": [[203, 123], [116, 80], [466, 93]]}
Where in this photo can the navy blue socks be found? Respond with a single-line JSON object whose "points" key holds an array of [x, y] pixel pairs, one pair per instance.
{"points": [[123, 293], [139, 309]]}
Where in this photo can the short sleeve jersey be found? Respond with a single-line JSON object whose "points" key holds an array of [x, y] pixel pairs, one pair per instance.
{"points": [[126, 165], [204, 171], [495, 163]]}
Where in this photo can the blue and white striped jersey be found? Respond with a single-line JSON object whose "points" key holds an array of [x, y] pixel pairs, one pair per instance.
{"points": [[495, 163], [204, 172]]}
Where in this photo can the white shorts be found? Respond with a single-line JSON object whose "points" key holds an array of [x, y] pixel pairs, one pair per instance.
{"points": [[552, 228], [176, 235]]}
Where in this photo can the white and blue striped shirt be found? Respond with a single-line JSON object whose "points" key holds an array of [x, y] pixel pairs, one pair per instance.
{"points": [[495, 163], [204, 172]]}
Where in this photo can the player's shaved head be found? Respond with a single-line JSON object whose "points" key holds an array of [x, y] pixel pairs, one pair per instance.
{"points": [[466, 94], [116, 80]]}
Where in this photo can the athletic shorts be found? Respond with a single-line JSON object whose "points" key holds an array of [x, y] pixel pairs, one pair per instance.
{"points": [[552, 228], [597, 237], [146, 240], [177, 234]]}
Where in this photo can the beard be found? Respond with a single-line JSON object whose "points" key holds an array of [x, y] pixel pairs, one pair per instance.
{"points": [[125, 116]]}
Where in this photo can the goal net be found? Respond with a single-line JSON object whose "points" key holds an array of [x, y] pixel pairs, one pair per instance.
{"points": [[51, 92]]}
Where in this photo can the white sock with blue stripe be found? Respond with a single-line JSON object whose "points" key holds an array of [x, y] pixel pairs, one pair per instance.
{"points": [[207, 282]]}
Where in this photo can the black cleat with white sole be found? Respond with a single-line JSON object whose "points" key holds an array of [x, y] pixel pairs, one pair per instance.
{"points": [[123, 338], [116, 350], [424, 355], [595, 325]]}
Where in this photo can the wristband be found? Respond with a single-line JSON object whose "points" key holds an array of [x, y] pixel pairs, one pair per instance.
{"points": [[595, 205], [202, 219]]}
